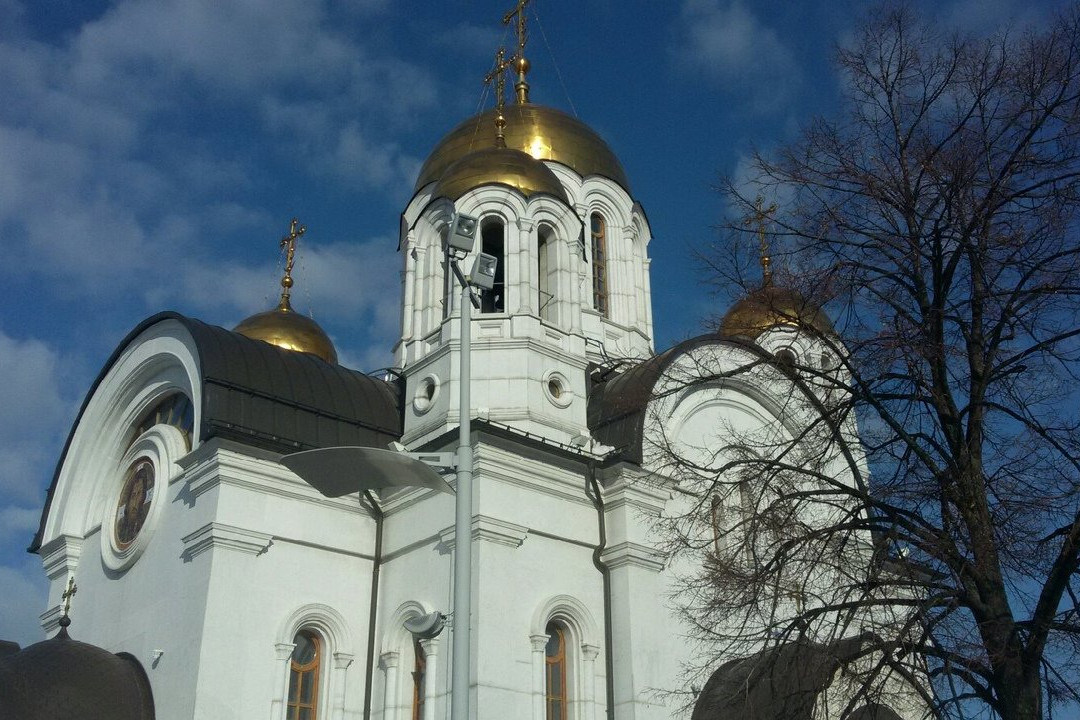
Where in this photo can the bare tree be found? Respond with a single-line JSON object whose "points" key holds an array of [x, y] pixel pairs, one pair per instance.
{"points": [[936, 219]]}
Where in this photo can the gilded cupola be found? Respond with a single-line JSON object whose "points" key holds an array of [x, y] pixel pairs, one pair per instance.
{"points": [[770, 305], [283, 326], [465, 158]]}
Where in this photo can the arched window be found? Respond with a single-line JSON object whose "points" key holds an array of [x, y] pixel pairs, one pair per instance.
{"points": [[599, 264], [547, 277], [493, 242], [419, 678], [443, 268], [175, 410], [555, 672], [304, 665]]}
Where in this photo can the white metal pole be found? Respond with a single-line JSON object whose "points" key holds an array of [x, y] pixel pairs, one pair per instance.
{"points": [[459, 686]]}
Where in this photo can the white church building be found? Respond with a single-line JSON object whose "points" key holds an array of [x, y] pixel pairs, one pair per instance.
{"points": [[242, 592]]}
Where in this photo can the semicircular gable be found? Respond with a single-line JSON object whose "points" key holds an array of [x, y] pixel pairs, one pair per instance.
{"points": [[242, 389]]}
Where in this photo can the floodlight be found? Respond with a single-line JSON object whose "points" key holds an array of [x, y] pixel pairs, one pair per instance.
{"points": [[337, 471], [483, 271], [425, 627], [462, 234]]}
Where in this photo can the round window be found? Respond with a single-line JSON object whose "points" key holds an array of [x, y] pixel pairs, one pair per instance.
{"points": [[134, 502], [427, 390], [557, 389]]}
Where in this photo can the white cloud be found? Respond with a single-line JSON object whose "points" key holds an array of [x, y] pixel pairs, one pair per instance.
{"points": [[114, 168], [23, 595], [16, 521], [32, 415], [725, 43]]}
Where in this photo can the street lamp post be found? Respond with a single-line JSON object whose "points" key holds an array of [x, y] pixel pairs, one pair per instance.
{"points": [[461, 238], [462, 649], [333, 471]]}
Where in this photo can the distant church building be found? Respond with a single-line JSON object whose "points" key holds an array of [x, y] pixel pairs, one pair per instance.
{"points": [[239, 591]]}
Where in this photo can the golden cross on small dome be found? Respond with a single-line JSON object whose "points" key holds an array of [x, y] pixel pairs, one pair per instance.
{"points": [[72, 588], [498, 74], [760, 218], [521, 87], [288, 243]]}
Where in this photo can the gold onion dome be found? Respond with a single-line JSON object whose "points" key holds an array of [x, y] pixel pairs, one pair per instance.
{"points": [[770, 306], [542, 132], [288, 329], [499, 165], [284, 327]]}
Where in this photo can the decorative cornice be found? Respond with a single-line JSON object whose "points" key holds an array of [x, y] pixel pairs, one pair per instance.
{"points": [[342, 660], [218, 535], [50, 619], [488, 529], [60, 556], [633, 554], [225, 467]]}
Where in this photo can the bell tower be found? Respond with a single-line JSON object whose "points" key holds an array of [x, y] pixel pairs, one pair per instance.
{"points": [[571, 284]]}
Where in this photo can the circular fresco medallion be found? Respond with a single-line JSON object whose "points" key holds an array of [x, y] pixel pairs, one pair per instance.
{"points": [[134, 503]]}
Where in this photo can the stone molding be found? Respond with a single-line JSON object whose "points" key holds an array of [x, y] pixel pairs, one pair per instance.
{"points": [[60, 556], [489, 529], [633, 554], [219, 535]]}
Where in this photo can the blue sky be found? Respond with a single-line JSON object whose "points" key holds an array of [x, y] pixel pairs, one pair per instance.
{"points": [[153, 151]]}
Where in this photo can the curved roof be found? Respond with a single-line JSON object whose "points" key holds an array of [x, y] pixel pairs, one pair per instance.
{"points": [[780, 683], [262, 395], [542, 132], [501, 166], [64, 679], [288, 329], [769, 306], [616, 405]]}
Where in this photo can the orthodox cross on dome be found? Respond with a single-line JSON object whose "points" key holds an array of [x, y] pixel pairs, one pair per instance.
{"points": [[498, 74], [760, 218], [72, 588], [288, 243], [521, 87]]}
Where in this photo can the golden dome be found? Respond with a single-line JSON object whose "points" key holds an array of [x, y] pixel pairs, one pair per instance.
{"points": [[542, 132], [290, 330], [503, 166], [770, 306]]}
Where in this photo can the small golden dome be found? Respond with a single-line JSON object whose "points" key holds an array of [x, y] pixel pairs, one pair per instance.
{"points": [[502, 166], [542, 132], [770, 306], [290, 330]]}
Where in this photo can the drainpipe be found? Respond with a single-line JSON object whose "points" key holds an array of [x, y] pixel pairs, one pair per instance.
{"points": [[376, 563], [592, 490]]}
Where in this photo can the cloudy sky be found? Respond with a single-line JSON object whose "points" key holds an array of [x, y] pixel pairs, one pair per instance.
{"points": [[153, 151]]}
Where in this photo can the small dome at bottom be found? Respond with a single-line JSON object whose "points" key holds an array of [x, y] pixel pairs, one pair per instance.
{"points": [[290, 330]]}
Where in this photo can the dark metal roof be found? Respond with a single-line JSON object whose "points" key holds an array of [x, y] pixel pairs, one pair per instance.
{"points": [[265, 396], [616, 405], [781, 683], [64, 679]]}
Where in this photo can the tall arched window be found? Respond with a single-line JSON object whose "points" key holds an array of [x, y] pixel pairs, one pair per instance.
{"points": [[599, 264], [304, 677], [419, 678], [555, 672], [493, 242], [547, 273]]}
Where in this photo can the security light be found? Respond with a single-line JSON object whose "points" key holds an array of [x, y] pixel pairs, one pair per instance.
{"points": [[483, 271], [462, 234]]}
